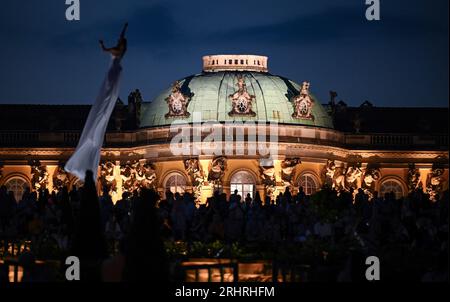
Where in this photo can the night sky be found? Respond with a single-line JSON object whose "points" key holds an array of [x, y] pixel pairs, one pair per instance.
{"points": [[401, 60]]}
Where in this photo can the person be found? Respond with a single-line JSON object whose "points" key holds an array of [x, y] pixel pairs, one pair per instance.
{"points": [[360, 201], [248, 201], [235, 196], [145, 255], [300, 195], [112, 229], [122, 210], [119, 50], [106, 206], [67, 220], [190, 208], [234, 223], [258, 201], [287, 195], [216, 229], [178, 216], [89, 243]]}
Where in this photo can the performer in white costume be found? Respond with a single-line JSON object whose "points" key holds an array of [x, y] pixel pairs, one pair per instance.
{"points": [[87, 154]]}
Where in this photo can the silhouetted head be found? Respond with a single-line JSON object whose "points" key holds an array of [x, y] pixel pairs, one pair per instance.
{"points": [[89, 178]]}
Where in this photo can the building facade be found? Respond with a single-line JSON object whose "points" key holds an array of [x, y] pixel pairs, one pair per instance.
{"points": [[234, 126]]}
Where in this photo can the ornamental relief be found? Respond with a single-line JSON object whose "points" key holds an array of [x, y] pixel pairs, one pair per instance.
{"points": [[106, 177], [177, 102], [61, 179], [137, 175], [372, 173], [241, 100], [342, 177], [303, 104], [435, 182], [267, 174], [413, 178], [288, 167], [196, 175], [39, 175], [217, 170]]}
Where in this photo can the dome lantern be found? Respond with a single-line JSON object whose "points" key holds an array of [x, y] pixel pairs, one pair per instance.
{"points": [[216, 63]]}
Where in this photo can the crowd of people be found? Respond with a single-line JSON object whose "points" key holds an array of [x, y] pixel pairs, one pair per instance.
{"points": [[83, 224]]}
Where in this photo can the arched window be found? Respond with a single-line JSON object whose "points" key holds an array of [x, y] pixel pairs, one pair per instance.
{"points": [[244, 182], [391, 185], [175, 183], [309, 184], [18, 186]]}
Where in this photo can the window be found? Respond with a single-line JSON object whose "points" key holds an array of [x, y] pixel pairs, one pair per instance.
{"points": [[309, 184], [230, 61], [242, 62], [391, 185], [17, 185], [244, 182], [176, 183]]}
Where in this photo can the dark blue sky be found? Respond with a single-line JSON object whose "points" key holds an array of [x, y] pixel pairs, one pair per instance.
{"points": [[401, 60]]}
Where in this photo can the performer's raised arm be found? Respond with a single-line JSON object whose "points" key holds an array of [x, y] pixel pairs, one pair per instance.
{"points": [[122, 34]]}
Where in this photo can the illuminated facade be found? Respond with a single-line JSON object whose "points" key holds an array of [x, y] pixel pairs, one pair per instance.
{"points": [[377, 149]]}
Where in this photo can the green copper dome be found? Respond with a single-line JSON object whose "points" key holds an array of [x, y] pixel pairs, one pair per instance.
{"points": [[211, 93]]}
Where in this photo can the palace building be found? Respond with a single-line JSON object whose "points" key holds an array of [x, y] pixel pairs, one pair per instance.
{"points": [[237, 101]]}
